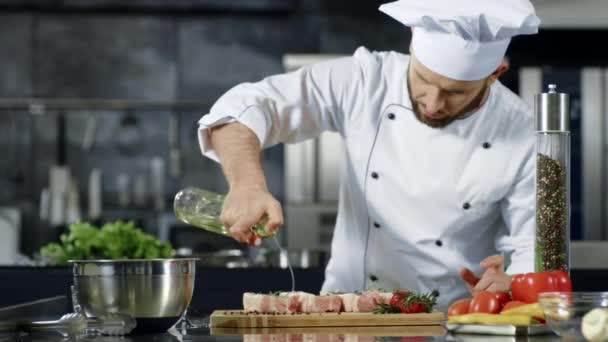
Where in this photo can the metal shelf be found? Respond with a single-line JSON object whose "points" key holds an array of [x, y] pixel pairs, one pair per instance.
{"points": [[156, 5], [41, 105]]}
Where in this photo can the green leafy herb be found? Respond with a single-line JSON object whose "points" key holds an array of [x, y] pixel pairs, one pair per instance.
{"points": [[384, 308], [114, 240]]}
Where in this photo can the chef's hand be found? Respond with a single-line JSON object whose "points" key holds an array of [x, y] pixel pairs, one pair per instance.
{"points": [[493, 279], [244, 206]]}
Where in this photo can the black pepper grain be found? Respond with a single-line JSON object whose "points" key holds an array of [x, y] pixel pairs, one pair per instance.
{"points": [[551, 215]]}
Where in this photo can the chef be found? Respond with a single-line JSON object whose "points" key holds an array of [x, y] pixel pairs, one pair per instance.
{"points": [[438, 184]]}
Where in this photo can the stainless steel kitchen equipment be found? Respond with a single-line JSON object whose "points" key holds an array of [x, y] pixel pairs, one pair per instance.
{"points": [[140, 191], [10, 232], [123, 185], [59, 181], [157, 176], [73, 325], [155, 292], [552, 247], [32, 317], [129, 134], [88, 139], [175, 158], [501, 330], [95, 194], [36, 310]]}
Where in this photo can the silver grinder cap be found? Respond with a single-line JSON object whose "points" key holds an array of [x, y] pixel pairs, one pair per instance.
{"points": [[552, 111]]}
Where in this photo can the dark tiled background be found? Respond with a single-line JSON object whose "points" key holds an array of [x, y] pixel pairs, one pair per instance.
{"points": [[16, 54], [105, 57], [147, 50], [169, 51]]}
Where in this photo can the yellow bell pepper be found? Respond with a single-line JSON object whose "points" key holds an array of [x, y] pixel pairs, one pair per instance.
{"points": [[485, 318], [533, 310]]}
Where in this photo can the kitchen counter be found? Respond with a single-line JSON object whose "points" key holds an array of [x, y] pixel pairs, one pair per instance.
{"points": [[215, 288], [364, 334], [218, 288]]}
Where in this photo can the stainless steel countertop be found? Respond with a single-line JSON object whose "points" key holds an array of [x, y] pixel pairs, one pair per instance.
{"points": [[206, 336]]}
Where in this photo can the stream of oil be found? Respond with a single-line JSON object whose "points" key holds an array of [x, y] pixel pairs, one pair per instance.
{"points": [[284, 252]]}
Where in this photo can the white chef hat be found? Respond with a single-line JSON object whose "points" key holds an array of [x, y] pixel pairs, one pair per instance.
{"points": [[463, 39]]}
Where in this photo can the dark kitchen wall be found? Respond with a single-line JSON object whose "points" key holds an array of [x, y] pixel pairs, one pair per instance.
{"points": [[148, 50]]}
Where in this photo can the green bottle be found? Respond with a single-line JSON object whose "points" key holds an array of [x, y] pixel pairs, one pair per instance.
{"points": [[202, 208]]}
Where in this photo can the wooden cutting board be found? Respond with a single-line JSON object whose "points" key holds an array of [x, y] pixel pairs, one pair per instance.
{"points": [[396, 330], [240, 319]]}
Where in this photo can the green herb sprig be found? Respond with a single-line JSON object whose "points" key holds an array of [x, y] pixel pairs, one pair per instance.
{"points": [[385, 308]]}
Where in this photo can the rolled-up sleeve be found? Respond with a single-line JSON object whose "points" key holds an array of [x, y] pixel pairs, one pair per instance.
{"points": [[518, 212], [289, 107]]}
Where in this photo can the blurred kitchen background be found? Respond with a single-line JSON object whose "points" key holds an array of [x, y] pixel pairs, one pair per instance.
{"points": [[99, 101]]}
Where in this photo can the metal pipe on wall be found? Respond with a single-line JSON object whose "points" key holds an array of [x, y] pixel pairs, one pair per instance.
{"points": [[593, 137]]}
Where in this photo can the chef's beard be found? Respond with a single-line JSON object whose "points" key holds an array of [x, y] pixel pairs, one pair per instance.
{"points": [[440, 123]]}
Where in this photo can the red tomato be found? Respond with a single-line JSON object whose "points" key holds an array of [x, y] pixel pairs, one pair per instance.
{"points": [[563, 281], [512, 304], [485, 302], [502, 297], [459, 307], [526, 287]]}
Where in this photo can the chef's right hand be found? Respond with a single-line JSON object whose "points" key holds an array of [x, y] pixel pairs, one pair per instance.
{"points": [[244, 206], [493, 279]]}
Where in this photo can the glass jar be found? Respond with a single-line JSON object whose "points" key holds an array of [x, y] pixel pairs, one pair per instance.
{"points": [[552, 247]]}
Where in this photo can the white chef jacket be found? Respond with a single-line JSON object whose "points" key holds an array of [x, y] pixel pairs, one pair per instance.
{"points": [[416, 203]]}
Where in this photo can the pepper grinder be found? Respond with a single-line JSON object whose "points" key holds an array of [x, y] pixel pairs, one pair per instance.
{"points": [[552, 247]]}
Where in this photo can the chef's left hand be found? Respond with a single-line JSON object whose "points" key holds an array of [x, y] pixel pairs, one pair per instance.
{"points": [[493, 279]]}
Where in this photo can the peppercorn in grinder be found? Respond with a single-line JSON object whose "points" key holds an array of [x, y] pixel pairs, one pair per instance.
{"points": [[552, 247]]}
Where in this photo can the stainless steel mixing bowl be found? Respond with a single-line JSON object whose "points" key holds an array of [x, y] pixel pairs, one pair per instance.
{"points": [[156, 292]]}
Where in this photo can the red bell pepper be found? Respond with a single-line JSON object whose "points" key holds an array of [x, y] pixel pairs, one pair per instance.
{"points": [[526, 287]]}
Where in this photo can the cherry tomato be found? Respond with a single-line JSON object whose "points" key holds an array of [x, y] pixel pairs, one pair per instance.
{"points": [[418, 307], [459, 307], [512, 304], [408, 302], [485, 302], [397, 299], [502, 297]]}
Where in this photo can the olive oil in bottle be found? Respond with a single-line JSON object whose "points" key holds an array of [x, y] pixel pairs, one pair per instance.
{"points": [[202, 208]]}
